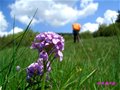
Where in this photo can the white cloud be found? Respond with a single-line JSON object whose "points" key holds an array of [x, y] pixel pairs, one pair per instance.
{"points": [[16, 30], [3, 22], [25, 19], [92, 27], [4, 26], [88, 10], [53, 12], [109, 15], [67, 2], [3, 33], [85, 3], [100, 20]]}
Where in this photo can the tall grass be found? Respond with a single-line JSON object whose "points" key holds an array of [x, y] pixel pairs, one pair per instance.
{"points": [[8, 68], [75, 72]]}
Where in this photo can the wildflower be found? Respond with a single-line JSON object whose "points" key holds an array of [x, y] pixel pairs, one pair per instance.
{"points": [[48, 66], [98, 83], [106, 83], [34, 69], [113, 83], [43, 55], [78, 69], [59, 54], [102, 83], [49, 42], [29, 79], [40, 62], [18, 68]]}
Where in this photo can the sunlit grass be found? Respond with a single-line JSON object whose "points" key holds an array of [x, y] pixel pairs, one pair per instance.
{"points": [[84, 64]]}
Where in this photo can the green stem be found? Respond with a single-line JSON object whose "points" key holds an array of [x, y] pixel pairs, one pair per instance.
{"points": [[44, 75], [43, 83]]}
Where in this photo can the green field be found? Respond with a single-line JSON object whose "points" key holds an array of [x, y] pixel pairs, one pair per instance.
{"points": [[84, 64]]}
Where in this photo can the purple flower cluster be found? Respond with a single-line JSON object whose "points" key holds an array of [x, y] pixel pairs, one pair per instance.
{"points": [[49, 42], [46, 43]]}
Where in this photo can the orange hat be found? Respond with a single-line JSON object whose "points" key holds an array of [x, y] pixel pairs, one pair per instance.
{"points": [[76, 26]]}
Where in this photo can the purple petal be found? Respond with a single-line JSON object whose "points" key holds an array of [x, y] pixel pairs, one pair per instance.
{"points": [[43, 55]]}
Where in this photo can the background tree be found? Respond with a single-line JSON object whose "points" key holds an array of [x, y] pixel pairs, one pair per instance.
{"points": [[118, 18]]}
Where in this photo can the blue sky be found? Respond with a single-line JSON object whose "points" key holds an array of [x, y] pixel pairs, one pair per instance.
{"points": [[56, 15]]}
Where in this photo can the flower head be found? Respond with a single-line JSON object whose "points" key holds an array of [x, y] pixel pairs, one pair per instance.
{"points": [[43, 55], [18, 68], [34, 69], [49, 42]]}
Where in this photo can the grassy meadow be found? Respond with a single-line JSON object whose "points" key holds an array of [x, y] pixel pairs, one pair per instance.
{"points": [[84, 64]]}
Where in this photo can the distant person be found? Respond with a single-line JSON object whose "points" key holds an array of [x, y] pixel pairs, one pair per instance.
{"points": [[76, 28]]}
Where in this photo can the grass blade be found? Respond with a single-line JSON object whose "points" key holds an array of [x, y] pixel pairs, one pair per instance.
{"points": [[88, 77]]}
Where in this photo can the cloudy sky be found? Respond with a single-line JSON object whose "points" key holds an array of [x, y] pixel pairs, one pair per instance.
{"points": [[56, 15]]}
